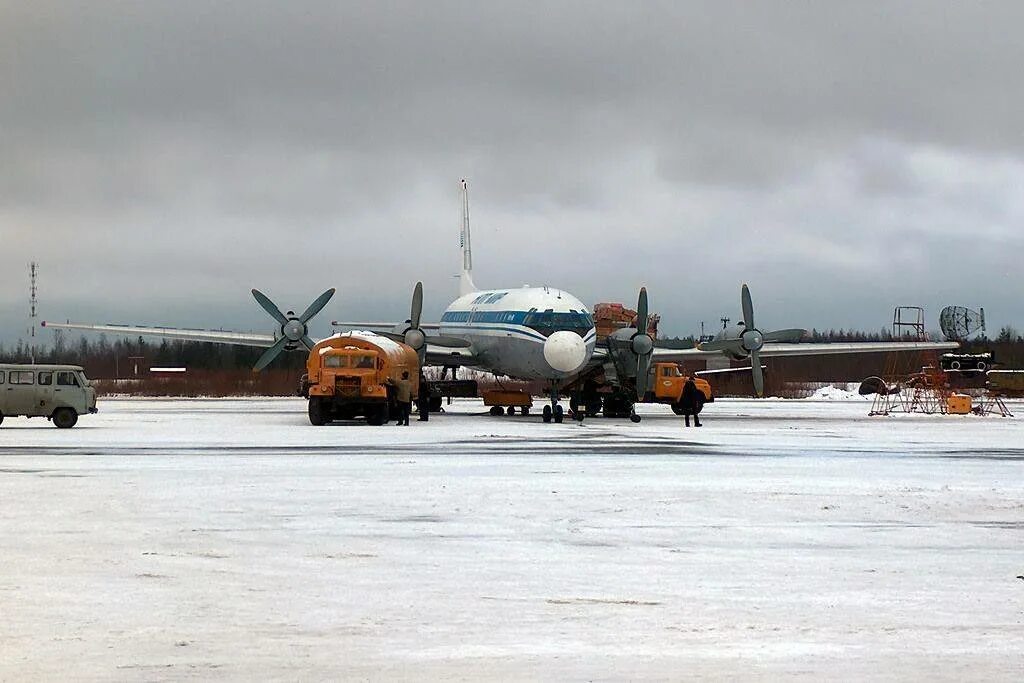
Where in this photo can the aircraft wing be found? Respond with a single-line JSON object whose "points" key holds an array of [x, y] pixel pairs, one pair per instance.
{"points": [[380, 325], [215, 336], [801, 349], [440, 356]]}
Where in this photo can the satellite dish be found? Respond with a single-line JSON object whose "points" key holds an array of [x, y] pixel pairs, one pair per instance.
{"points": [[959, 323]]}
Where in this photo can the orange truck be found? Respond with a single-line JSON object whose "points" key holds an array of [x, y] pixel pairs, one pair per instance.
{"points": [[667, 387], [353, 375]]}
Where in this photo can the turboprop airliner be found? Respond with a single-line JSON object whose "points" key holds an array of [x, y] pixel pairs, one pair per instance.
{"points": [[529, 333]]}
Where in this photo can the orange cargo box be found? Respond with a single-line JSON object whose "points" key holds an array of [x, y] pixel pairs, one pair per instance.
{"points": [[499, 397], [958, 404]]}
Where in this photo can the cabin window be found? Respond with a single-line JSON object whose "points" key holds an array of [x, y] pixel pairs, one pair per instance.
{"points": [[67, 379], [3, 376], [336, 362], [45, 379], [364, 362], [23, 377]]}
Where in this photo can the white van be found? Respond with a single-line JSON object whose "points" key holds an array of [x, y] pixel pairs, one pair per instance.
{"points": [[57, 392]]}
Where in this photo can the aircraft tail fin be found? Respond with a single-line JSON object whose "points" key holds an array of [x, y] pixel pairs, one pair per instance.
{"points": [[466, 284]]}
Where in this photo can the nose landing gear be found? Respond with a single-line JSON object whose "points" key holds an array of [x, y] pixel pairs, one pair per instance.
{"points": [[555, 412]]}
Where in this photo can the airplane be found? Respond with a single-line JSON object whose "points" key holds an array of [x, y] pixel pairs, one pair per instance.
{"points": [[527, 333]]}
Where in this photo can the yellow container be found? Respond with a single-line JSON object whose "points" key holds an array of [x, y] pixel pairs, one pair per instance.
{"points": [[958, 404]]}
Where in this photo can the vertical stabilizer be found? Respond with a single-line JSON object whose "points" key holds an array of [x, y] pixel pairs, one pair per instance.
{"points": [[466, 285]]}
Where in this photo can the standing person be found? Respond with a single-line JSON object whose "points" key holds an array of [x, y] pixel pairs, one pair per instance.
{"points": [[403, 396], [423, 399], [691, 401]]}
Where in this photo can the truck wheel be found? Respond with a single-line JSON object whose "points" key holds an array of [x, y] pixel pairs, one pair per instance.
{"points": [[510, 410], [65, 418], [525, 410], [677, 408], [593, 407], [316, 412], [497, 411], [377, 417]]}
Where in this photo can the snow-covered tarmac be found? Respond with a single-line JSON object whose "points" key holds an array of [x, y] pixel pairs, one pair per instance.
{"points": [[229, 539]]}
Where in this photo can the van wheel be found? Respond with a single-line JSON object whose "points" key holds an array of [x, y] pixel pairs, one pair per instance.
{"points": [[65, 418]]}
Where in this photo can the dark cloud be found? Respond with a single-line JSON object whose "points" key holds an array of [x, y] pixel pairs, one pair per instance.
{"points": [[159, 159]]}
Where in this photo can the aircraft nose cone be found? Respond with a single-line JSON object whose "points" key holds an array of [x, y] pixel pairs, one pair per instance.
{"points": [[565, 351]]}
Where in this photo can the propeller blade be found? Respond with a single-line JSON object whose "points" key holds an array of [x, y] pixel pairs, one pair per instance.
{"points": [[448, 342], [755, 360], [270, 354], [641, 311], [791, 335], [643, 371], [393, 336], [748, 308], [269, 306], [316, 306], [307, 342], [720, 345], [417, 306]]}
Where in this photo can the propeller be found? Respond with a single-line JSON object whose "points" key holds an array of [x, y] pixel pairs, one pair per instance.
{"points": [[413, 335], [751, 340], [294, 329], [642, 345]]}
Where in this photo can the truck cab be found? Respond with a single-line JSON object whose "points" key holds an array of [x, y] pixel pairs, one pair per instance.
{"points": [[60, 393]]}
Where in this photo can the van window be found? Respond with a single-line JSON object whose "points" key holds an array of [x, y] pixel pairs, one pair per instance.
{"points": [[66, 379], [45, 378], [23, 377]]}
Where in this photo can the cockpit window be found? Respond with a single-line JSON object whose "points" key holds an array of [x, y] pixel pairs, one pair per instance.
{"points": [[549, 322]]}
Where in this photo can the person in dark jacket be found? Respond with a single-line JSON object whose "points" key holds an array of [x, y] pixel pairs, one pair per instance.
{"points": [[691, 401], [403, 397], [423, 399]]}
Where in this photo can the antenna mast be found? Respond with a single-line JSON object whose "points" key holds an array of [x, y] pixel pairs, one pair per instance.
{"points": [[32, 300]]}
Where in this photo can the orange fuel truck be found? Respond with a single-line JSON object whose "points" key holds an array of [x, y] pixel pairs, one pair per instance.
{"points": [[352, 375]]}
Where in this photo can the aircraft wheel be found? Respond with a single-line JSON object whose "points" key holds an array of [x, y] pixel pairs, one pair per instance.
{"points": [[559, 415], [65, 418], [547, 414]]}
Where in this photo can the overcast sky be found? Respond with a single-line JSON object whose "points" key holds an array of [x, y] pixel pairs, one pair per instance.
{"points": [[160, 159]]}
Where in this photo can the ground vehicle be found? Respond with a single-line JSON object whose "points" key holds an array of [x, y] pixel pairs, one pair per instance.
{"points": [[667, 387], [57, 392], [353, 374]]}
